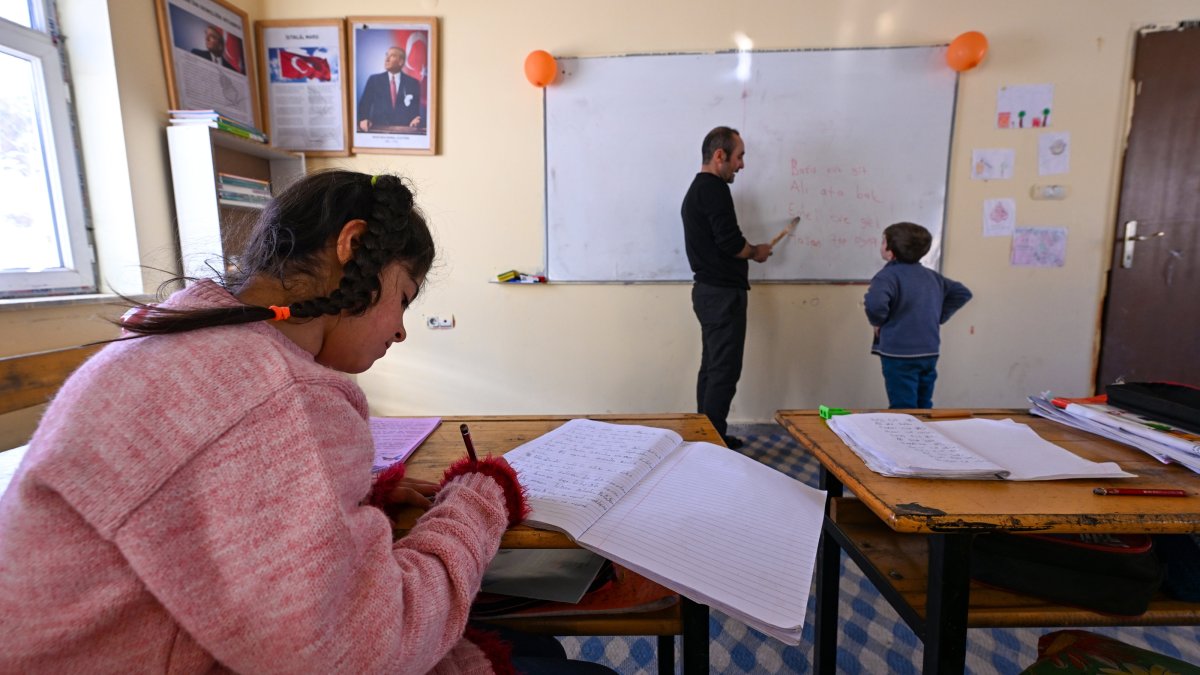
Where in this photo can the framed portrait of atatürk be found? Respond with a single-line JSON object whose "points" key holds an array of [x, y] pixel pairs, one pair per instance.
{"points": [[393, 84]]}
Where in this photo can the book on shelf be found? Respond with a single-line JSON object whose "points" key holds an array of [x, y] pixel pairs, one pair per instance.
{"points": [[621, 593], [241, 204], [216, 120], [554, 574], [896, 444], [225, 188], [234, 180], [241, 199], [702, 520]]}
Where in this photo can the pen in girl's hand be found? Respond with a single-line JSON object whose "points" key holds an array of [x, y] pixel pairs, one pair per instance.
{"points": [[1141, 492], [466, 434]]}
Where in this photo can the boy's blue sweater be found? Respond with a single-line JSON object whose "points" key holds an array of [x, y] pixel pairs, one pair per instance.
{"points": [[908, 302]]}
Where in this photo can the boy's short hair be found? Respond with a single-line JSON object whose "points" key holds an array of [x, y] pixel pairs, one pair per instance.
{"points": [[908, 242]]}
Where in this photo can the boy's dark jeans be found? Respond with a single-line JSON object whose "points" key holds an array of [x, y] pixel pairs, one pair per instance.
{"points": [[909, 382]]}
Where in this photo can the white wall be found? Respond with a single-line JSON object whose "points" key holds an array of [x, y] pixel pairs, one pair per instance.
{"points": [[613, 348], [575, 349]]}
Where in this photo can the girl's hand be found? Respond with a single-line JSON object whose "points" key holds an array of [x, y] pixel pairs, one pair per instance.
{"points": [[413, 492]]}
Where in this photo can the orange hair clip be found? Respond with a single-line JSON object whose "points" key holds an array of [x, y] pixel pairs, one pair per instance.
{"points": [[281, 313]]}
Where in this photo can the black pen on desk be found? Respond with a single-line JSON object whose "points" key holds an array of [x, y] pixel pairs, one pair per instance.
{"points": [[466, 434]]}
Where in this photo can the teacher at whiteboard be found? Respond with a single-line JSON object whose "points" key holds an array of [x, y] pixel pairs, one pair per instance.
{"points": [[718, 254]]}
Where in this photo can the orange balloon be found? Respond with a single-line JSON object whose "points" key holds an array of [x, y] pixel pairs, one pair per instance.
{"points": [[540, 68], [966, 51]]}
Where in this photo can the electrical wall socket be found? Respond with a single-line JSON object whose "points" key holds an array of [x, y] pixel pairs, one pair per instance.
{"points": [[439, 322], [1048, 192]]}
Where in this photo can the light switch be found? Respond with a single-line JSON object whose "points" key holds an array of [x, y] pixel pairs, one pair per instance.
{"points": [[1048, 192]]}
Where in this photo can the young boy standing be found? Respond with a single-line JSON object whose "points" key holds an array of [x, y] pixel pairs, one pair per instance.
{"points": [[907, 303]]}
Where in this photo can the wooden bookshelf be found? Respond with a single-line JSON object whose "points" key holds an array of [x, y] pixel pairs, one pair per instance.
{"points": [[210, 229]]}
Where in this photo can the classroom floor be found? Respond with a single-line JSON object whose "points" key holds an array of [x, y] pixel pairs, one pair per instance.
{"points": [[872, 637]]}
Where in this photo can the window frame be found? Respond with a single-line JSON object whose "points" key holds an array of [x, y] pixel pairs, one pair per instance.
{"points": [[39, 46]]}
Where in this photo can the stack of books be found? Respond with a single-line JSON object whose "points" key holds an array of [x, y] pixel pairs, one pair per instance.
{"points": [[216, 120], [249, 193], [1162, 440]]}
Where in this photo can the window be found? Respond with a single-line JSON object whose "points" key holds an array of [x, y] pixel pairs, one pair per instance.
{"points": [[43, 236]]}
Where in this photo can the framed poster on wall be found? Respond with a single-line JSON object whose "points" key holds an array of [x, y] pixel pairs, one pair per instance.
{"points": [[207, 59], [302, 65], [394, 85]]}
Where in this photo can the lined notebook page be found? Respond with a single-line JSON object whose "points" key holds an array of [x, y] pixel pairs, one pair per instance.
{"points": [[575, 473], [906, 446], [720, 528], [397, 437]]}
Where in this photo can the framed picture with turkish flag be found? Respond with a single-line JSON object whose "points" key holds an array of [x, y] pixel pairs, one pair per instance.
{"points": [[302, 65], [205, 45], [393, 93]]}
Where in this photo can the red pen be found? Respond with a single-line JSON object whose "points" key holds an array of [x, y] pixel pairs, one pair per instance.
{"points": [[1140, 492], [466, 434]]}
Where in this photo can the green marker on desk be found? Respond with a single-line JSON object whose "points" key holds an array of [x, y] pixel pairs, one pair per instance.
{"points": [[826, 412]]}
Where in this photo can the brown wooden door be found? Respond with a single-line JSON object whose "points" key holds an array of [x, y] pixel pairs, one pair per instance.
{"points": [[1151, 324]]}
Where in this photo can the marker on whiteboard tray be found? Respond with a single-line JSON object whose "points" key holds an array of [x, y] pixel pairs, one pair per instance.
{"points": [[529, 279]]}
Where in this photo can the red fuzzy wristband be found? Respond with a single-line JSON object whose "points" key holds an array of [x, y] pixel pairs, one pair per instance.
{"points": [[514, 494], [385, 482]]}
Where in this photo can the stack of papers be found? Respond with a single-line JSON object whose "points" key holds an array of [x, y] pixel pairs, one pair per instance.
{"points": [[1164, 442], [894, 444]]}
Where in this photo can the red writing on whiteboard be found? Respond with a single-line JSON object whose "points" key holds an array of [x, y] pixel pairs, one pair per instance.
{"points": [[800, 170], [867, 194]]}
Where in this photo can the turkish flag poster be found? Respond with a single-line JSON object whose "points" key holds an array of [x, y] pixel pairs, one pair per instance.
{"points": [[304, 97]]}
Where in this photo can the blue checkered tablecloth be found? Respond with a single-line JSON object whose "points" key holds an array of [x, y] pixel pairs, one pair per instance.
{"points": [[872, 638]]}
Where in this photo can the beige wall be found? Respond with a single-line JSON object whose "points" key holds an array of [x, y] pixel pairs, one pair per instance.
{"points": [[635, 348]]}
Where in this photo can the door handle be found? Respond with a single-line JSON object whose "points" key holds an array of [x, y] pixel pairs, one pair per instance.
{"points": [[1131, 238]]}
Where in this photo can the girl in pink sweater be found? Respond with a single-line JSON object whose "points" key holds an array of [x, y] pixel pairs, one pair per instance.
{"points": [[200, 500]]}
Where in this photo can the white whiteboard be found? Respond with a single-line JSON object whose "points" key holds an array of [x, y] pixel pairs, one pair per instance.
{"points": [[850, 140]]}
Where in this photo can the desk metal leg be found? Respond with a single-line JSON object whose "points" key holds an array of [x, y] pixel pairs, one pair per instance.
{"points": [[666, 655], [948, 597], [828, 586], [695, 637]]}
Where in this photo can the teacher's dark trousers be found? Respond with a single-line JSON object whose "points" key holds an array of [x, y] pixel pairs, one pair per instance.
{"points": [[722, 314]]}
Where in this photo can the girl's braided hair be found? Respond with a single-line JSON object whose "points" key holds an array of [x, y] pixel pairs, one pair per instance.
{"points": [[288, 241]]}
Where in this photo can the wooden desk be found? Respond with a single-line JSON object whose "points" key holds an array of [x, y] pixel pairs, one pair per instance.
{"points": [[912, 537], [498, 435]]}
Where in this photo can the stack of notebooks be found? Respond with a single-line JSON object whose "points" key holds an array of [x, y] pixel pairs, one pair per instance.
{"points": [[250, 193], [1161, 437], [216, 120]]}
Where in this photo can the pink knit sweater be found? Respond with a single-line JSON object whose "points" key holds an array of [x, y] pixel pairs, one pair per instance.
{"points": [[193, 503]]}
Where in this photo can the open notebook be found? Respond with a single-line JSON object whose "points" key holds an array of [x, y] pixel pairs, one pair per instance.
{"points": [[700, 519], [895, 444]]}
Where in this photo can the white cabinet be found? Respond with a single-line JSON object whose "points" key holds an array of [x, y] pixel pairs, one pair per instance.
{"points": [[212, 232]]}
